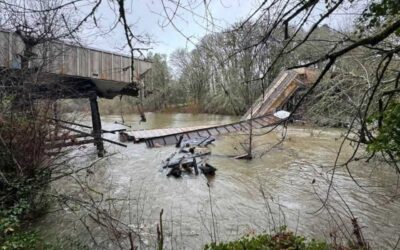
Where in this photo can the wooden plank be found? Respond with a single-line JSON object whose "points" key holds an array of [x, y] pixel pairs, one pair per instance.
{"points": [[65, 138], [69, 144], [257, 122]]}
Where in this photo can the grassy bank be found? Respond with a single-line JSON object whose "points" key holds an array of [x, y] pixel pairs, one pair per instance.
{"points": [[283, 239]]}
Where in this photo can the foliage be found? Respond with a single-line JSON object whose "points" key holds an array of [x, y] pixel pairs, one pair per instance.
{"points": [[388, 134], [14, 235], [379, 12], [25, 171], [219, 75], [282, 240], [159, 84], [11, 235], [24, 166], [23, 240]]}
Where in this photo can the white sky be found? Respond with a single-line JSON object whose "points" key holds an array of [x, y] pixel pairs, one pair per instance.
{"points": [[147, 16]]}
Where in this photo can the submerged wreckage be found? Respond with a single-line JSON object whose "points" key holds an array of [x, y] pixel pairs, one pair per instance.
{"points": [[190, 157], [270, 109]]}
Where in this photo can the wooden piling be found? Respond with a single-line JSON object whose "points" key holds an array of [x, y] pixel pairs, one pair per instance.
{"points": [[96, 123]]}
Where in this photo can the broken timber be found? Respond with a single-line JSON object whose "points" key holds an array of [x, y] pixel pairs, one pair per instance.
{"points": [[67, 140], [260, 115]]}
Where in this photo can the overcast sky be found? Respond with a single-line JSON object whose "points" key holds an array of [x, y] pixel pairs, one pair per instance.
{"points": [[148, 16]]}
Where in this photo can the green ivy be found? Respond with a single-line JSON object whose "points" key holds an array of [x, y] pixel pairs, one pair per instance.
{"points": [[11, 235], [21, 240]]}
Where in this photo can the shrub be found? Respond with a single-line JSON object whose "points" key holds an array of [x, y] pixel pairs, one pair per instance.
{"points": [[282, 240]]}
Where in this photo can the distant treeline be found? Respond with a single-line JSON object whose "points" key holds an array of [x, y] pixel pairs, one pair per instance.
{"points": [[224, 74]]}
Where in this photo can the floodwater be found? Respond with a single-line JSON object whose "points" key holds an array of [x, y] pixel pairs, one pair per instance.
{"points": [[285, 184]]}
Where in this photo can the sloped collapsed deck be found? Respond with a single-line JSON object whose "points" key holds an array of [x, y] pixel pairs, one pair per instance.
{"points": [[281, 90], [260, 115]]}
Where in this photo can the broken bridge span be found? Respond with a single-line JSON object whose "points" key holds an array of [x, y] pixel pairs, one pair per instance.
{"points": [[262, 113]]}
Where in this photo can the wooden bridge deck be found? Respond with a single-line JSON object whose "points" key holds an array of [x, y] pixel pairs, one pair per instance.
{"points": [[170, 136]]}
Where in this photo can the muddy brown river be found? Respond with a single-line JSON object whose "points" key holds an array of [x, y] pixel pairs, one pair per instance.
{"points": [[285, 184]]}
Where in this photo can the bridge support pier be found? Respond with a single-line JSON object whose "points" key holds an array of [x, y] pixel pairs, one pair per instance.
{"points": [[96, 122]]}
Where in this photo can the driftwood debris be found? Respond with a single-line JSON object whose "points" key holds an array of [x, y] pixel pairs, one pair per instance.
{"points": [[191, 155]]}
